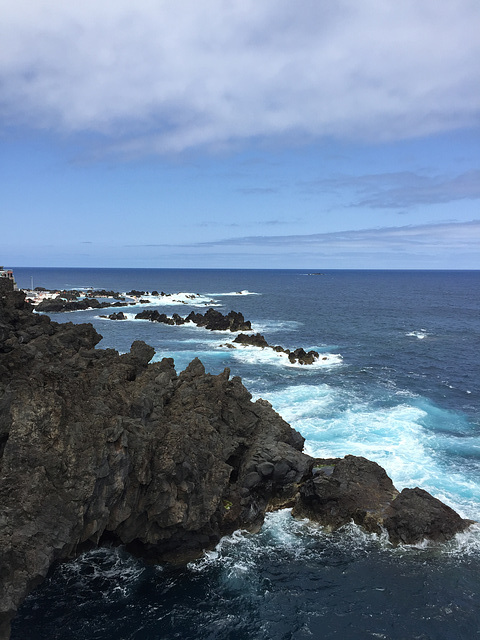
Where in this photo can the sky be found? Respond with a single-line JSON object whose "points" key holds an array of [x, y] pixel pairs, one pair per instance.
{"points": [[319, 134]]}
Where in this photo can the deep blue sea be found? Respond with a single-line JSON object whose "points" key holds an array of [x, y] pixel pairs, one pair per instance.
{"points": [[400, 384]]}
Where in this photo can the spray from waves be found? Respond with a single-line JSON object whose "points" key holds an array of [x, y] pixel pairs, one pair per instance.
{"points": [[282, 539], [108, 573], [175, 299], [274, 326], [285, 540], [265, 356], [244, 292], [397, 434], [421, 335]]}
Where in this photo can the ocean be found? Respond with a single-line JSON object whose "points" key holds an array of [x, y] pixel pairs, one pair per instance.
{"points": [[398, 383]]}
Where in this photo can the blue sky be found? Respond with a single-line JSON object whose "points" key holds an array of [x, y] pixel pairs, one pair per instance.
{"points": [[271, 134]]}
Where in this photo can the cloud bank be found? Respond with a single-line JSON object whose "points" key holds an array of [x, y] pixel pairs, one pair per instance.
{"points": [[401, 190], [448, 245], [158, 76], [458, 236]]}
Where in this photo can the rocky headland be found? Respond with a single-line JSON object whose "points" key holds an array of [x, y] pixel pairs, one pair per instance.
{"points": [[97, 447]]}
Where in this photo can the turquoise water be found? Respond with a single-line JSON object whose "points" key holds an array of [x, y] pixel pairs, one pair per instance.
{"points": [[400, 385]]}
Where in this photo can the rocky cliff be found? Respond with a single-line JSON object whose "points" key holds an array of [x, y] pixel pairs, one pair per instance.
{"points": [[97, 446]]}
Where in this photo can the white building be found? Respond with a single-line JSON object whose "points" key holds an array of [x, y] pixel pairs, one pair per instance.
{"points": [[8, 273]]}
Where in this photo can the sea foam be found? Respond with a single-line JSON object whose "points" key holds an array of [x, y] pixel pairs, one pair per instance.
{"points": [[266, 356]]}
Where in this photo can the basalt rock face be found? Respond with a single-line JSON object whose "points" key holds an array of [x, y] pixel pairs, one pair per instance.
{"points": [[99, 446], [356, 489], [342, 490], [415, 515]]}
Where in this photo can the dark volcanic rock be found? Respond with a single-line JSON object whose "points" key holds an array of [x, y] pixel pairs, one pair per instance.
{"points": [[211, 319], [97, 446], [136, 293], [416, 515], [354, 488], [61, 305], [154, 316], [342, 490], [216, 321], [302, 357], [255, 340], [68, 301]]}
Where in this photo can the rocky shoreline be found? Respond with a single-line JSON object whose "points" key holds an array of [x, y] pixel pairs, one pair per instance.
{"points": [[212, 319], [298, 355], [98, 447], [63, 301]]}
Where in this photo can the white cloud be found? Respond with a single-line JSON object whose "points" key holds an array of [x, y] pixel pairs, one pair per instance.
{"points": [[402, 189], [458, 236], [161, 76], [448, 245]]}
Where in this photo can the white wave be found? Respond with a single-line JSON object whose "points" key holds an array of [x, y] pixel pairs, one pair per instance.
{"points": [[128, 316], [465, 543], [69, 287], [421, 335], [397, 437], [274, 326], [282, 536], [175, 299], [117, 570], [255, 355], [299, 402], [244, 292]]}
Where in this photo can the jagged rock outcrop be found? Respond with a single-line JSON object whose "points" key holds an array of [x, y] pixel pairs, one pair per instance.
{"points": [[354, 488], [415, 515], [211, 319], [216, 321], [342, 490], [97, 446], [299, 355], [253, 340], [100, 446]]}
